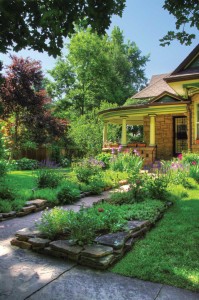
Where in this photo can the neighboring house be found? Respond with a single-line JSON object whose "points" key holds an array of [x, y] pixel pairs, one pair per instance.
{"points": [[168, 109]]}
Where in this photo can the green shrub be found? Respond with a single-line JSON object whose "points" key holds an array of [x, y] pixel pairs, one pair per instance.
{"points": [[68, 193], [5, 206], [6, 192], [3, 168], [190, 158], [157, 187], [194, 172], [127, 162], [48, 178], [119, 198], [26, 164], [105, 158], [86, 169], [54, 222], [96, 185]]}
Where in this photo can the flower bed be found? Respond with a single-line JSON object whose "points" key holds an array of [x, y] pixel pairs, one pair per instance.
{"points": [[104, 249]]}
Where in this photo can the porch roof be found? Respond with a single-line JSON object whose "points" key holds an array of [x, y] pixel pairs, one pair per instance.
{"points": [[135, 114]]}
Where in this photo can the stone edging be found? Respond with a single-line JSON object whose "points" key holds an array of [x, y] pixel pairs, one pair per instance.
{"points": [[36, 205], [105, 250]]}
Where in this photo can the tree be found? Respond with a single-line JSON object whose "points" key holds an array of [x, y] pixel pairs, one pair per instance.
{"points": [[25, 104], [186, 12], [96, 69], [42, 25]]}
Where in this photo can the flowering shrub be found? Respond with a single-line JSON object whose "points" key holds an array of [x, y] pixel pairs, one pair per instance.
{"points": [[87, 168], [127, 162], [105, 158]]}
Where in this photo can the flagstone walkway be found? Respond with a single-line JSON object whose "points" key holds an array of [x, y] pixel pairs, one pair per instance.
{"points": [[27, 275]]}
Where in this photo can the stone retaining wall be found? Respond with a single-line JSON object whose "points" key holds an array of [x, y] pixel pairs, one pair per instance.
{"points": [[105, 250]]}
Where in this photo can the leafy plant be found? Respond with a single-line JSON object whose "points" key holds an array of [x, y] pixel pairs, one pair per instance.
{"points": [[86, 169], [6, 191], [3, 168], [105, 158], [48, 178], [68, 193], [26, 164], [127, 162], [194, 172]]}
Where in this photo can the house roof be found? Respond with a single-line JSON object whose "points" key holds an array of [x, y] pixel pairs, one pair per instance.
{"points": [[186, 70], [156, 86]]}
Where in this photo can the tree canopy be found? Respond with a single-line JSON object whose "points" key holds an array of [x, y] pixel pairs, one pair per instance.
{"points": [[186, 12], [25, 105], [97, 69], [42, 25]]}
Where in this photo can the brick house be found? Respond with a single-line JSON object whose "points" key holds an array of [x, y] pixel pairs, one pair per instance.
{"points": [[168, 109]]}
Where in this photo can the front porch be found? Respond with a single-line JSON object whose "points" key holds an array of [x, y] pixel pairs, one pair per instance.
{"points": [[164, 137]]}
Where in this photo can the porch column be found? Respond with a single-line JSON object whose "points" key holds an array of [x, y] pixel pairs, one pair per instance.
{"points": [[123, 140], [105, 133], [152, 130]]}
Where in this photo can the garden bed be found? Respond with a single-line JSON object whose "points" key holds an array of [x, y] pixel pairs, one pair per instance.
{"points": [[103, 251]]}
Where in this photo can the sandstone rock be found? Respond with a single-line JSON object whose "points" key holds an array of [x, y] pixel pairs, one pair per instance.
{"points": [[20, 244], [115, 240], [123, 182], [39, 242], [100, 263], [96, 251], [1, 217], [37, 202], [65, 247], [55, 253], [27, 233], [10, 214], [29, 209], [22, 213]]}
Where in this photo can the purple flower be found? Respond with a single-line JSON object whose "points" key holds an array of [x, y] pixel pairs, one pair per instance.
{"points": [[113, 151]]}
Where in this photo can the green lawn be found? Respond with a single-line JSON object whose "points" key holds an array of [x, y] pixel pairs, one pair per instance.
{"points": [[169, 253]]}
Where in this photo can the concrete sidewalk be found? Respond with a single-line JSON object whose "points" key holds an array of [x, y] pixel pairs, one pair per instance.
{"points": [[27, 275]]}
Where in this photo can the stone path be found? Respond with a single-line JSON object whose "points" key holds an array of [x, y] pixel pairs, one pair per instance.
{"points": [[27, 275]]}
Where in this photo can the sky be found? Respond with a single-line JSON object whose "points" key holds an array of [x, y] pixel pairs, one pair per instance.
{"points": [[143, 22]]}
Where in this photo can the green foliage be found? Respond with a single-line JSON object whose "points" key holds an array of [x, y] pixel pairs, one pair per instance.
{"points": [[119, 198], [42, 26], [85, 169], [194, 172], [6, 191], [105, 158], [5, 206], [68, 193], [54, 222], [47, 178], [25, 164], [157, 187], [96, 185], [127, 162], [185, 13], [3, 168], [97, 68]]}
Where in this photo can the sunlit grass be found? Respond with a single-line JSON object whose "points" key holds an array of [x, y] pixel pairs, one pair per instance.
{"points": [[169, 253]]}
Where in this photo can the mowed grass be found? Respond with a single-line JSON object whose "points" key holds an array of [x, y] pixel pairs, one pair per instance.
{"points": [[169, 253]]}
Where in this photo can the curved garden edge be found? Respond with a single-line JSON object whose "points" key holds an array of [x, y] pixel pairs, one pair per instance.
{"points": [[37, 205], [104, 252]]}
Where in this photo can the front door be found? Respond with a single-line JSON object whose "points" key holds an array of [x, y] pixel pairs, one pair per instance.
{"points": [[180, 135]]}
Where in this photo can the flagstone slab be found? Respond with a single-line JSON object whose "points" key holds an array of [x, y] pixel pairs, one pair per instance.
{"points": [[39, 242], [26, 233], [66, 247], [96, 251], [115, 240], [10, 214], [37, 202], [20, 244]]}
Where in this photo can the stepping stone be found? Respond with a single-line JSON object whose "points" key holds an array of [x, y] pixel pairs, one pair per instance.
{"points": [[96, 251], [37, 202], [139, 233], [115, 240]]}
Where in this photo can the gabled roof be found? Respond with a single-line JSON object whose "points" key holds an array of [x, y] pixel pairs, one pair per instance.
{"points": [[156, 87], [188, 69], [166, 97]]}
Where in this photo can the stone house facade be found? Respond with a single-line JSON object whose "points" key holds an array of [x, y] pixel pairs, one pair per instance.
{"points": [[168, 109]]}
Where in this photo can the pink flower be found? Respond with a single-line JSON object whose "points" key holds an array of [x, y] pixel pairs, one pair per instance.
{"points": [[194, 163], [180, 156]]}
